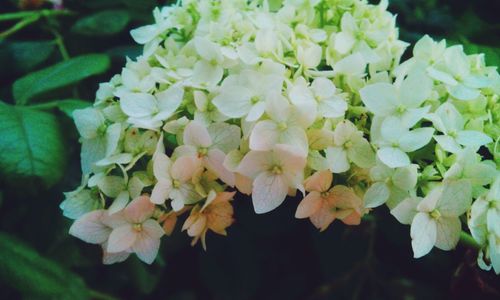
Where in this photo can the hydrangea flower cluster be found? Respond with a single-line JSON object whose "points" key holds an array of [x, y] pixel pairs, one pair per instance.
{"points": [[307, 98]]}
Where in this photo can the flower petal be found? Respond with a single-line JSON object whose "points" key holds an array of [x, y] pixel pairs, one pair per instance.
{"points": [[268, 192]]}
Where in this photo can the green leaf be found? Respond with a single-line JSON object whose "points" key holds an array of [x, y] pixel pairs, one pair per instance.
{"points": [[22, 268], [31, 144], [59, 75], [102, 23], [24, 56], [67, 106]]}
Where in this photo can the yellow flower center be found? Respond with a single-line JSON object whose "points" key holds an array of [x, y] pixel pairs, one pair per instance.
{"points": [[176, 183], [282, 126], [137, 227], [277, 170], [435, 214], [202, 152]]}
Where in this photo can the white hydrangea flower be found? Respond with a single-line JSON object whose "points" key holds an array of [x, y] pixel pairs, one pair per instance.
{"points": [[349, 145], [448, 120], [390, 185], [435, 220], [274, 173], [396, 140]]}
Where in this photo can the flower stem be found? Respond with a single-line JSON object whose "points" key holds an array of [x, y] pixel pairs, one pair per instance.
{"points": [[468, 241], [39, 13]]}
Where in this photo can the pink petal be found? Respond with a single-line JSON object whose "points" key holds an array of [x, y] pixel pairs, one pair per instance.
{"points": [[139, 210], [121, 239], [90, 227], [195, 134], [319, 181], [309, 205], [146, 247], [198, 226], [184, 167], [322, 218]]}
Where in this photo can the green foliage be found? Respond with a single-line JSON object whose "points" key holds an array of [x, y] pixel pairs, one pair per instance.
{"points": [[31, 145], [23, 56], [57, 76], [35, 276], [102, 23]]}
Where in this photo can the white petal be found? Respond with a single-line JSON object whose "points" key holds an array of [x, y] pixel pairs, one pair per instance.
{"points": [[146, 248], [161, 191], [448, 143], [264, 135], [268, 192], [379, 98], [423, 234], [376, 195], [168, 101], [461, 92], [415, 89], [233, 101], [121, 238], [441, 76], [144, 34], [337, 159], [255, 162], [195, 134], [352, 65], [207, 74], [332, 107], [344, 42], [89, 228], [393, 157], [138, 104], [256, 111]]}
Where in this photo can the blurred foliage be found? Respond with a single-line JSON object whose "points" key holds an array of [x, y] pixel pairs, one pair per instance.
{"points": [[272, 256]]}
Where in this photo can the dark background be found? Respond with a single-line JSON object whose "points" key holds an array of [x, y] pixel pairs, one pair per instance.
{"points": [[271, 256]]}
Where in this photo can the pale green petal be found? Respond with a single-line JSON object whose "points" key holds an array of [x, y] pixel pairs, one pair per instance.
{"points": [[448, 233], [406, 210], [344, 42], [225, 137], [376, 195], [455, 199], [337, 159], [88, 121], [405, 178], [379, 98], [448, 143], [415, 89], [472, 138], [393, 157], [416, 139], [361, 153]]}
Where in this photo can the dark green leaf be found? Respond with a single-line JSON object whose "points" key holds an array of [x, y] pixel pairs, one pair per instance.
{"points": [[102, 23], [59, 75], [31, 144], [22, 268], [24, 56]]}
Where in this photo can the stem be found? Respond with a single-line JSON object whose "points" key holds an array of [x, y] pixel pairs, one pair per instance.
{"points": [[43, 106], [20, 25], [60, 44], [39, 13], [468, 241], [100, 295]]}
